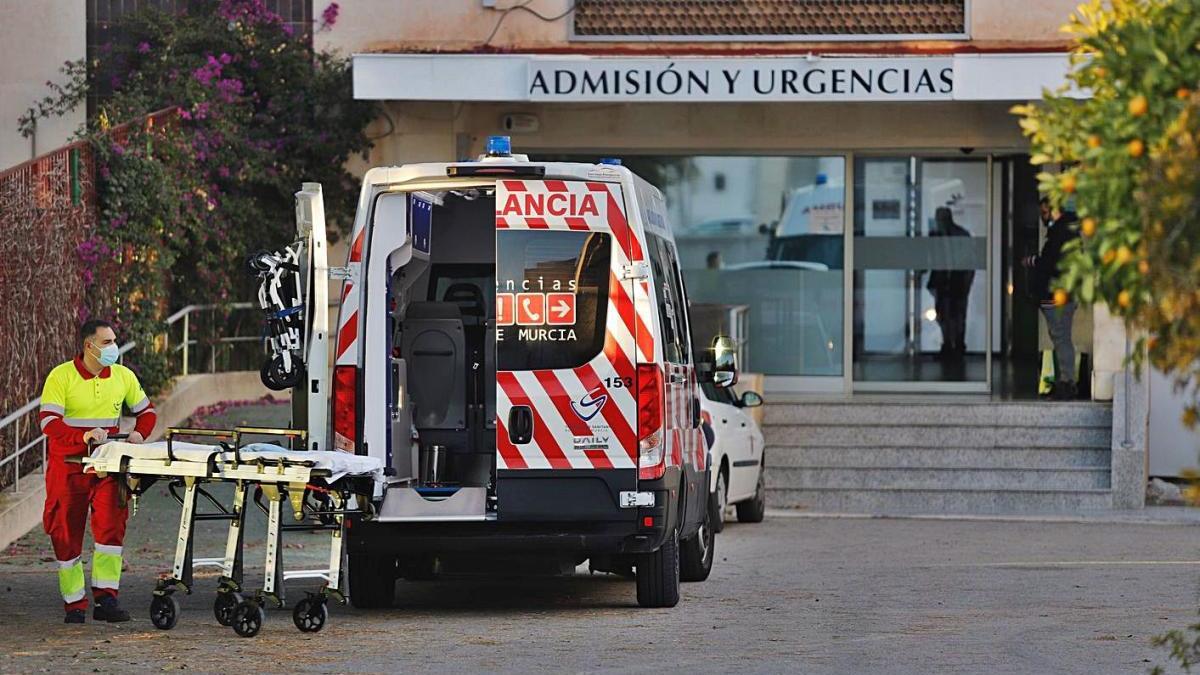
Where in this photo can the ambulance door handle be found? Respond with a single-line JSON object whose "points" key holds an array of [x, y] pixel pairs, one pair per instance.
{"points": [[520, 424]]}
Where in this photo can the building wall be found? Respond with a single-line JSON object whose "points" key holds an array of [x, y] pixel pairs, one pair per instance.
{"points": [[36, 38], [464, 25]]}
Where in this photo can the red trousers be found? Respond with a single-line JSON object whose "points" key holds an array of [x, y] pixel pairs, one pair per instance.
{"points": [[69, 495]]}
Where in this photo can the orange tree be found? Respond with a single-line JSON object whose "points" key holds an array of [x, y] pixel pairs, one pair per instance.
{"points": [[1124, 131]]}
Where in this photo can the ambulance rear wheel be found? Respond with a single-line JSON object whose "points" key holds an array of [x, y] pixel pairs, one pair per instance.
{"points": [[372, 580], [248, 619], [310, 615], [658, 575], [164, 611], [696, 554]]}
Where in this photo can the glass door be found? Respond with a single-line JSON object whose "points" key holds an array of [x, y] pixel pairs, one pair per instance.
{"points": [[921, 282]]}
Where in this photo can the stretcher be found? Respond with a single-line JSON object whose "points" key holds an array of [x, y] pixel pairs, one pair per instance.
{"points": [[322, 487]]}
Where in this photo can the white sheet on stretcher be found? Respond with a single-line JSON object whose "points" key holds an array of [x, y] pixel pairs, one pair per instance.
{"points": [[338, 463]]}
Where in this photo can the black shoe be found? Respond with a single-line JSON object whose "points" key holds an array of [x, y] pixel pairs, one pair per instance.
{"points": [[108, 609], [75, 616]]}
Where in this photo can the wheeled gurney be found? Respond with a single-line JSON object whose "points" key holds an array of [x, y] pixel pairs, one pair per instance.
{"points": [[325, 485]]}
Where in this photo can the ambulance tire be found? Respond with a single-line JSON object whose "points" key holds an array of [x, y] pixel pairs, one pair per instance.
{"points": [[658, 575], [372, 581], [696, 554], [753, 510]]}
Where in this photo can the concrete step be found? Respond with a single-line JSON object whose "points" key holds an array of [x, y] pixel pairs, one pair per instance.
{"points": [[927, 436], [1004, 414], [907, 500], [950, 457], [958, 478]]}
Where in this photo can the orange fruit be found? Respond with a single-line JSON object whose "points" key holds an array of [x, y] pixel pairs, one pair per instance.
{"points": [[1068, 183], [1088, 227], [1060, 297], [1138, 105], [1124, 255], [1183, 92], [1152, 342], [1093, 141], [1108, 256], [1124, 299], [1100, 71], [1144, 266], [1136, 147]]}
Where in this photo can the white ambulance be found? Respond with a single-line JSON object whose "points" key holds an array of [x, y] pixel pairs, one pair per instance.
{"points": [[513, 342]]}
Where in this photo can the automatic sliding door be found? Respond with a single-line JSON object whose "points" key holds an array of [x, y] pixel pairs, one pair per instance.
{"points": [[920, 274]]}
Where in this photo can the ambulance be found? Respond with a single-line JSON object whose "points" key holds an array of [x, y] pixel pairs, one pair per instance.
{"points": [[513, 342]]}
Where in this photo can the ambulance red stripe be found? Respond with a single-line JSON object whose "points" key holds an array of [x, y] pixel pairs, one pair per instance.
{"points": [[577, 223], [621, 230], [536, 223], [556, 186], [514, 185], [347, 334], [357, 248], [562, 402], [508, 452], [598, 458], [542, 436], [501, 223]]}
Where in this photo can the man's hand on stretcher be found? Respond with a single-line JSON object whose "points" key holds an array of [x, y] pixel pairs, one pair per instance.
{"points": [[98, 435]]}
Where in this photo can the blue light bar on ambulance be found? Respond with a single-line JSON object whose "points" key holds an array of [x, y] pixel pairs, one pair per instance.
{"points": [[499, 146], [612, 161]]}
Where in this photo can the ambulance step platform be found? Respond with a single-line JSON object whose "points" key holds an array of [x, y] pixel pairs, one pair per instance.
{"points": [[433, 503]]}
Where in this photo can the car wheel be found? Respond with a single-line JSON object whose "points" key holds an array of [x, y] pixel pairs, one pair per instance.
{"points": [[720, 501], [658, 575], [696, 553], [753, 510], [372, 580]]}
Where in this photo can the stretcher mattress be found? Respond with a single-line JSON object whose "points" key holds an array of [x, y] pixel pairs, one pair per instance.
{"points": [[339, 464]]}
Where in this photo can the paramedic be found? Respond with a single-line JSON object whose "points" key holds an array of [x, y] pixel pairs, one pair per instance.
{"points": [[81, 404]]}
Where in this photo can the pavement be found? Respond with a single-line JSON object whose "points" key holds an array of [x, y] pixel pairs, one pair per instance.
{"points": [[792, 594]]}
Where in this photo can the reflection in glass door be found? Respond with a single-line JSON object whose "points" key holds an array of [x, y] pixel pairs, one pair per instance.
{"points": [[921, 282]]}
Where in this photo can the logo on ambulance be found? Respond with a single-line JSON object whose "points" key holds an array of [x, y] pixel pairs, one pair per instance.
{"points": [[592, 403]]}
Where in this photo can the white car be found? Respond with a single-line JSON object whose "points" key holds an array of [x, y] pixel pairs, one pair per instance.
{"points": [[736, 454]]}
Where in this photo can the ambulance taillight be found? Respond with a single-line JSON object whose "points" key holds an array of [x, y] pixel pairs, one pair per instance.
{"points": [[651, 445], [345, 408]]}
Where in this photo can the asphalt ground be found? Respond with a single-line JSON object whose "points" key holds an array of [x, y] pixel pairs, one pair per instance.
{"points": [[811, 595]]}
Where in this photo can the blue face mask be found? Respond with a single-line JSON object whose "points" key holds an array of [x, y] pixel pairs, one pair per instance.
{"points": [[108, 355]]}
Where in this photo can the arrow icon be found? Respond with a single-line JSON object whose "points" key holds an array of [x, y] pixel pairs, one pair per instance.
{"points": [[562, 309]]}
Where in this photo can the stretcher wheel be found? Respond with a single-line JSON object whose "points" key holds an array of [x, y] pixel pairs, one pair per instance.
{"points": [[225, 605], [248, 619], [310, 615], [164, 611]]}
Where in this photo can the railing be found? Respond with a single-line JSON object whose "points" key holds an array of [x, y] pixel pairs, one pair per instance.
{"points": [[222, 351]]}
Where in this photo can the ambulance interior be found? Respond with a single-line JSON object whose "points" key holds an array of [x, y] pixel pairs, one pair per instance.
{"points": [[442, 329], [442, 318]]}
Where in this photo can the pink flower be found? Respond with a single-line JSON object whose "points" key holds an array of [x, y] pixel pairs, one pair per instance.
{"points": [[329, 16], [143, 47]]}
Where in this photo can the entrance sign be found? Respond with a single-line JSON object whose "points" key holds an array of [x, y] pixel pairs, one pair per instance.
{"points": [[762, 79]]}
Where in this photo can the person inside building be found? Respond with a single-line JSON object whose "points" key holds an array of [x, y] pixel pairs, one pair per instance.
{"points": [[1062, 229], [81, 406], [950, 289]]}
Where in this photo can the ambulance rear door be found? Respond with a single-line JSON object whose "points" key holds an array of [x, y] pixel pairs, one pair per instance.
{"points": [[568, 337]]}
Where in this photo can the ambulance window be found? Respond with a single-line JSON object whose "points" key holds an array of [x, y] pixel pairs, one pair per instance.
{"points": [[668, 298], [552, 298]]}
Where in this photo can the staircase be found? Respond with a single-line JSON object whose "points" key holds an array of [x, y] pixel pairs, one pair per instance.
{"points": [[953, 456]]}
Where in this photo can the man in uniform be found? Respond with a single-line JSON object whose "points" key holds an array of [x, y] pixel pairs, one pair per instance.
{"points": [[81, 405]]}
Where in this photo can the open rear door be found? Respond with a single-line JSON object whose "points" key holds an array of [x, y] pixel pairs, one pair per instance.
{"points": [[311, 398], [568, 337]]}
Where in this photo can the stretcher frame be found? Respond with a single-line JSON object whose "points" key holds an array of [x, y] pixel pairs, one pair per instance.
{"points": [[275, 479]]}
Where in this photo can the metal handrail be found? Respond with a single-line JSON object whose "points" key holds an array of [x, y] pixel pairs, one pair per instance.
{"points": [[18, 415]]}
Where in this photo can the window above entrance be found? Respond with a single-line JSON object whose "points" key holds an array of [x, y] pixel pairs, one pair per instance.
{"points": [[765, 20]]}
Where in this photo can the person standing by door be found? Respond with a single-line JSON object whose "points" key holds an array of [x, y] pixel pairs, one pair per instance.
{"points": [[950, 289], [1062, 229], [81, 405]]}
